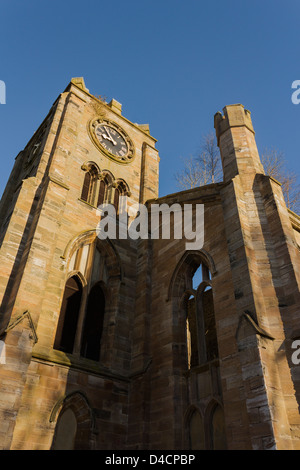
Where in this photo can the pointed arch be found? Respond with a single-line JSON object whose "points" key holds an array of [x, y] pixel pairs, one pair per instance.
{"points": [[186, 295], [90, 182], [202, 286], [75, 422], [121, 189], [106, 185], [193, 307], [100, 271], [105, 246], [107, 174], [69, 315], [215, 425], [123, 186], [191, 258], [194, 428], [85, 236], [79, 275], [93, 323], [208, 343], [88, 164]]}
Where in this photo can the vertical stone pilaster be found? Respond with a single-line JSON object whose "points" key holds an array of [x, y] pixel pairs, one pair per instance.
{"points": [[149, 173]]}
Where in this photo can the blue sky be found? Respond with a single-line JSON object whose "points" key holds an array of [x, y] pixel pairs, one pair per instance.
{"points": [[172, 64]]}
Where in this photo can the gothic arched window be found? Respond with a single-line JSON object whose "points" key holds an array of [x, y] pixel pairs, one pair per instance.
{"points": [[116, 199], [206, 310], [68, 318], [101, 188], [94, 273], [192, 332], [201, 327], [121, 189], [93, 324], [102, 191], [89, 188]]}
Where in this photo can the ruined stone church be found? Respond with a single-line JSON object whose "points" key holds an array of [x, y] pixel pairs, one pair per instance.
{"points": [[130, 344]]}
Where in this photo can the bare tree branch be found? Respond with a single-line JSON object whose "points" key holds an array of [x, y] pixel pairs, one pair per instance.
{"points": [[274, 164], [210, 158], [206, 168], [202, 169], [191, 175]]}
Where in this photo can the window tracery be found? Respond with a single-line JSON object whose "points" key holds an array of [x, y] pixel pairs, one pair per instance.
{"points": [[200, 318], [87, 298], [191, 293]]}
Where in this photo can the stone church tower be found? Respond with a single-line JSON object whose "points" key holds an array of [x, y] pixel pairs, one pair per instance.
{"points": [[143, 344]]}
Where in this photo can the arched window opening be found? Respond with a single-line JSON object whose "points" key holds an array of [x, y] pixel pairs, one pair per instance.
{"points": [[86, 186], [202, 273], [68, 318], [211, 344], [105, 189], [196, 432], [116, 199], [121, 189], [201, 333], [94, 272], [101, 188], [88, 192], [192, 336], [101, 194], [93, 325], [197, 277], [65, 431], [108, 180], [217, 428], [79, 259]]}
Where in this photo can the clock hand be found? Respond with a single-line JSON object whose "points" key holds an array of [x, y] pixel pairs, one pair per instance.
{"points": [[111, 139], [107, 137]]}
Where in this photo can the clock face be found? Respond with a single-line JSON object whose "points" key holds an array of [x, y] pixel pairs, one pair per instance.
{"points": [[111, 139]]}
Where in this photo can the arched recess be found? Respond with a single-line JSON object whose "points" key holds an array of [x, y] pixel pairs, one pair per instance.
{"points": [[206, 322], [101, 187], [69, 315], [89, 190], [193, 308], [98, 263], [121, 189], [107, 180], [187, 303], [75, 424], [89, 237], [215, 428], [204, 428], [189, 261], [194, 429], [107, 174], [86, 166], [93, 323]]}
